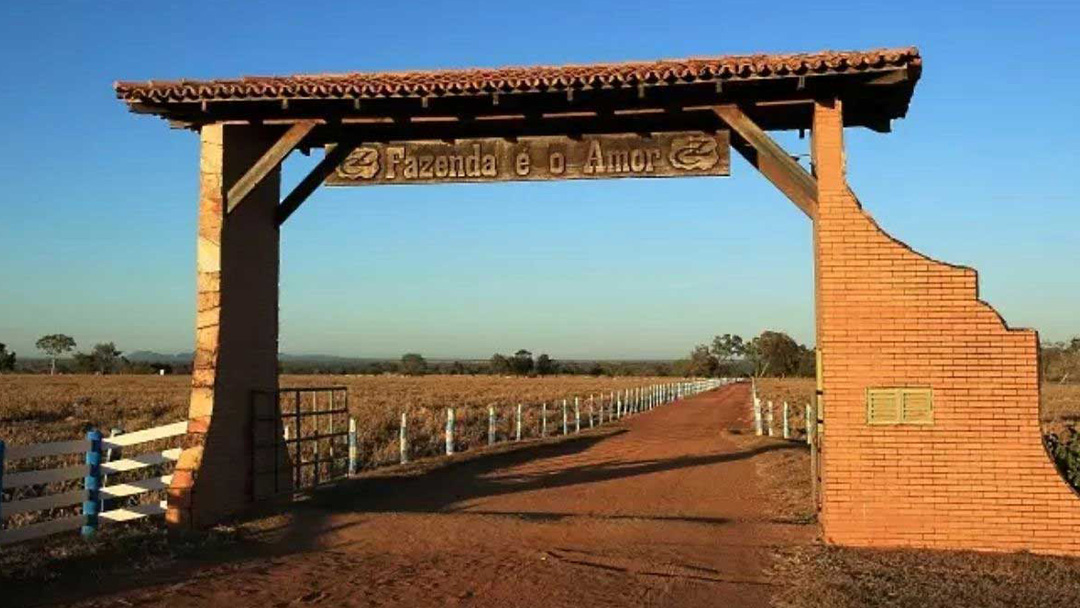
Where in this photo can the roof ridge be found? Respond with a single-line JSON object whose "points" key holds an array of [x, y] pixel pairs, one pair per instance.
{"points": [[474, 80]]}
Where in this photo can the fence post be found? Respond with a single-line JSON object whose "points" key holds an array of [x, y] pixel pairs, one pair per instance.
{"points": [[577, 415], [403, 438], [354, 463], [449, 431], [758, 425], [565, 419], [491, 425], [517, 430], [591, 398], [809, 426], [92, 484], [111, 454], [787, 426], [769, 419], [543, 420], [1, 479]]}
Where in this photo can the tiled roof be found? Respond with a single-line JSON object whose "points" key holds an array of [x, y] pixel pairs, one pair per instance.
{"points": [[517, 79]]}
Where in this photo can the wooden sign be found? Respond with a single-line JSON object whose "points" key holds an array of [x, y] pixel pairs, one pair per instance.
{"points": [[677, 154]]}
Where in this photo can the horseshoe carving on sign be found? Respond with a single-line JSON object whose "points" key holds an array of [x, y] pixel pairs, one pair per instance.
{"points": [[362, 163], [693, 153]]}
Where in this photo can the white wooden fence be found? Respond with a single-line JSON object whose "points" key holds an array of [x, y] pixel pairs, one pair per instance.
{"points": [[763, 417], [95, 494], [614, 406]]}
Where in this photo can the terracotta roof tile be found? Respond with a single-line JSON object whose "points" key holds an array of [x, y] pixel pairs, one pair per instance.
{"points": [[515, 79]]}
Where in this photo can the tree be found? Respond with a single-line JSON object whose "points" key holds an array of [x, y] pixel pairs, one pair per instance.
{"points": [[775, 353], [102, 359], [500, 365], [702, 362], [55, 345], [545, 365], [413, 364], [522, 363], [7, 360], [727, 348], [1060, 361], [807, 362]]}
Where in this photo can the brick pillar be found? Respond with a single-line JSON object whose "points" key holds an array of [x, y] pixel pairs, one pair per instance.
{"points": [[979, 477], [236, 328]]}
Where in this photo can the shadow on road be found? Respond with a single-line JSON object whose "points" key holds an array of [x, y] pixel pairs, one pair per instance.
{"points": [[430, 487], [440, 490]]}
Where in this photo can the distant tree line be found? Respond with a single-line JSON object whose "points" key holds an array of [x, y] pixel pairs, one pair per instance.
{"points": [[1060, 361], [773, 353], [102, 358], [521, 363]]}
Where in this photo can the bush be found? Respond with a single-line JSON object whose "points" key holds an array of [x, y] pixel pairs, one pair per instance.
{"points": [[1065, 449]]}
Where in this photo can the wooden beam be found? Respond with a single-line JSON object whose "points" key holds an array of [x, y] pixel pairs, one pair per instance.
{"points": [[270, 160], [772, 161], [312, 180]]}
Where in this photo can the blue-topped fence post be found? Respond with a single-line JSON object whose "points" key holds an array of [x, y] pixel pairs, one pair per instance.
{"points": [[449, 431], [92, 484]]}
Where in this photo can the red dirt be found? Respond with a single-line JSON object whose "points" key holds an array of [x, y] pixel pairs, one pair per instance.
{"points": [[665, 512]]}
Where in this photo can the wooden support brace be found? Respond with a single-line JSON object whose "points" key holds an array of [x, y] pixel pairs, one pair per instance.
{"points": [[312, 180], [270, 160], [772, 161]]}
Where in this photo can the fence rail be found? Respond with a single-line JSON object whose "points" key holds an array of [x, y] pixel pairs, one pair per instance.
{"points": [[96, 497], [100, 501], [597, 411]]}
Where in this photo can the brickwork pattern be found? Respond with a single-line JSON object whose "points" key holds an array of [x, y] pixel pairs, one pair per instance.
{"points": [[236, 327], [979, 477]]}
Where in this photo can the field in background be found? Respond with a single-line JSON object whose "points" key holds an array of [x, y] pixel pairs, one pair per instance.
{"points": [[1060, 402], [1059, 416], [39, 408]]}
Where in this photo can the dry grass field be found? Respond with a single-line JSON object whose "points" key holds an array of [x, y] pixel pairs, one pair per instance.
{"points": [[1060, 402], [38, 408]]}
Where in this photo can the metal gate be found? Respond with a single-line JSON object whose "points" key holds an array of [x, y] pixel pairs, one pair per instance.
{"points": [[299, 439]]}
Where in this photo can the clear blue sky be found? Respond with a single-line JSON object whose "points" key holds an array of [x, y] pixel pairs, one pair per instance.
{"points": [[97, 219]]}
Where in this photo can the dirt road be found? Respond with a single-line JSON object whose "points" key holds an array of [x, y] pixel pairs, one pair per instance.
{"points": [[663, 511]]}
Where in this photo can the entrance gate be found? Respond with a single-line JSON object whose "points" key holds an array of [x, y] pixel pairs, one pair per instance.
{"points": [[929, 403], [299, 439]]}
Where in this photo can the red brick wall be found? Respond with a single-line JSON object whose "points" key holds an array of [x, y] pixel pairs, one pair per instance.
{"points": [[979, 477]]}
